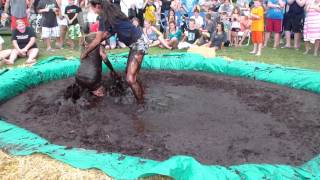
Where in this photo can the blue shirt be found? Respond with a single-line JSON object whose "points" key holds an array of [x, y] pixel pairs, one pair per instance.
{"points": [[275, 13], [189, 4], [126, 31]]}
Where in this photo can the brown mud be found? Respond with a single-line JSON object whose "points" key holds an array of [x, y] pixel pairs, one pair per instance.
{"points": [[215, 119]]}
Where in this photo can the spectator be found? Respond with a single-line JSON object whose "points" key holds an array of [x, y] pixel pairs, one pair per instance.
{"points": [[226, 7], [218, 38], [177, 8], [244, 6], [1, 43], [189, 5], [257, 27], [72, 11], [191, 36], [62, 20], [139, 4], [174, 35], [155, 37], [198, 19], [18, 10], [274, 21], [164, 14], [235, 26], [225, 19], [245, 25], [150, 12], [50, 28], [158, 5], [209, 29], [24, 43], [172, 16], [113, 42], [311, 32], [132, 11], [293, 21], [135, 22]]}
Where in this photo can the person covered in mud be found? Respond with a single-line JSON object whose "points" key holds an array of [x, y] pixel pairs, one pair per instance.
{"points": [[89, 74], [111, 22]]}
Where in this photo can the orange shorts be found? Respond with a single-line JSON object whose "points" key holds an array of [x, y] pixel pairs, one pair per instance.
{"points": [[13, 22], [257, 37]]}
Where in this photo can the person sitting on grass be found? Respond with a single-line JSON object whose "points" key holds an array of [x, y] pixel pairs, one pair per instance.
{"points": [[72, 11], [155, 37], [191, 36], [174, 35], [24, 43], [218, 38]]}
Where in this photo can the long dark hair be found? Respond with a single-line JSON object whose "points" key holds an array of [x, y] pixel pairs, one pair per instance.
{"points": [[112, 13], [222, 27]]}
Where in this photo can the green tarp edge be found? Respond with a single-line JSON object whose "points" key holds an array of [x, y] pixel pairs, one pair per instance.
{"points": [[18, 141]]}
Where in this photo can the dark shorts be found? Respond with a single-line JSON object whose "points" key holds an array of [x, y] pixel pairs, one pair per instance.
{"points": [[235, 29], [293, 23]]}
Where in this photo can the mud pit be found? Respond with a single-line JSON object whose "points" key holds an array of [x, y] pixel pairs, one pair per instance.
{"points": [[215, 119]]}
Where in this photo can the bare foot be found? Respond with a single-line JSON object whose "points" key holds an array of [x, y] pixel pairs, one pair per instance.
{"points": [[7, 62]]}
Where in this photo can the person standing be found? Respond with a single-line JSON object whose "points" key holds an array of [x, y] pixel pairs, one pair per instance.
{"points": [[257, 27], [274, 21], [293, 22], [50, 28], [72, 11], [311, 32], [18, 10]]}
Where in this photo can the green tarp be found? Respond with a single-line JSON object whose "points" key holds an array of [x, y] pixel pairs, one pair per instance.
{"points": [[18, 141]]}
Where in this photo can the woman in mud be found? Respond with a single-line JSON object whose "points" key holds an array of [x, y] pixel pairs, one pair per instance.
{"points": [[112, 22]]}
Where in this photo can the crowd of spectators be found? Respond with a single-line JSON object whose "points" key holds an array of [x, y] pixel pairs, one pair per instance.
{"points": [[171, 24]]}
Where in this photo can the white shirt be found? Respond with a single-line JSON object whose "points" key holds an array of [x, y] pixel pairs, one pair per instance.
{"points": [[199, 21]]}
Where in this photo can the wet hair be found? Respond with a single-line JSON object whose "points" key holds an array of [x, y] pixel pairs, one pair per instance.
{"points": [[110, 12]]}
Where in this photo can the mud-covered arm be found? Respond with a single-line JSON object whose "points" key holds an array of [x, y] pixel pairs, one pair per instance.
{"points": [[100, 36]]}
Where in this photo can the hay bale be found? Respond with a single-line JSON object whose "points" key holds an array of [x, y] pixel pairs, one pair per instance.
{"points": [[204, 51], [40, 166]]}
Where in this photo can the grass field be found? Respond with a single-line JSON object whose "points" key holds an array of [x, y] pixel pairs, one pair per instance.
{"points": [[286, 57]]}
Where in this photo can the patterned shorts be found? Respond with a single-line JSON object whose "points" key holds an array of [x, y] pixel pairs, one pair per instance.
{"points": [[141, 44], [50, 32], [74, 31]]}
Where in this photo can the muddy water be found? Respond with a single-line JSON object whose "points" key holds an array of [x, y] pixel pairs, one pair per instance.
{"points": [[215, 119]]}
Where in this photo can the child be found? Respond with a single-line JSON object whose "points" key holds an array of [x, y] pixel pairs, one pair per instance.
{"points": [[72, 12], [245, 25], [257, 27], [209, 29], [235, 26], [191, 36]]}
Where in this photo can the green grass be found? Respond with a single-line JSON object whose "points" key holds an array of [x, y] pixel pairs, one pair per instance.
{"points": [[286, 57]]}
